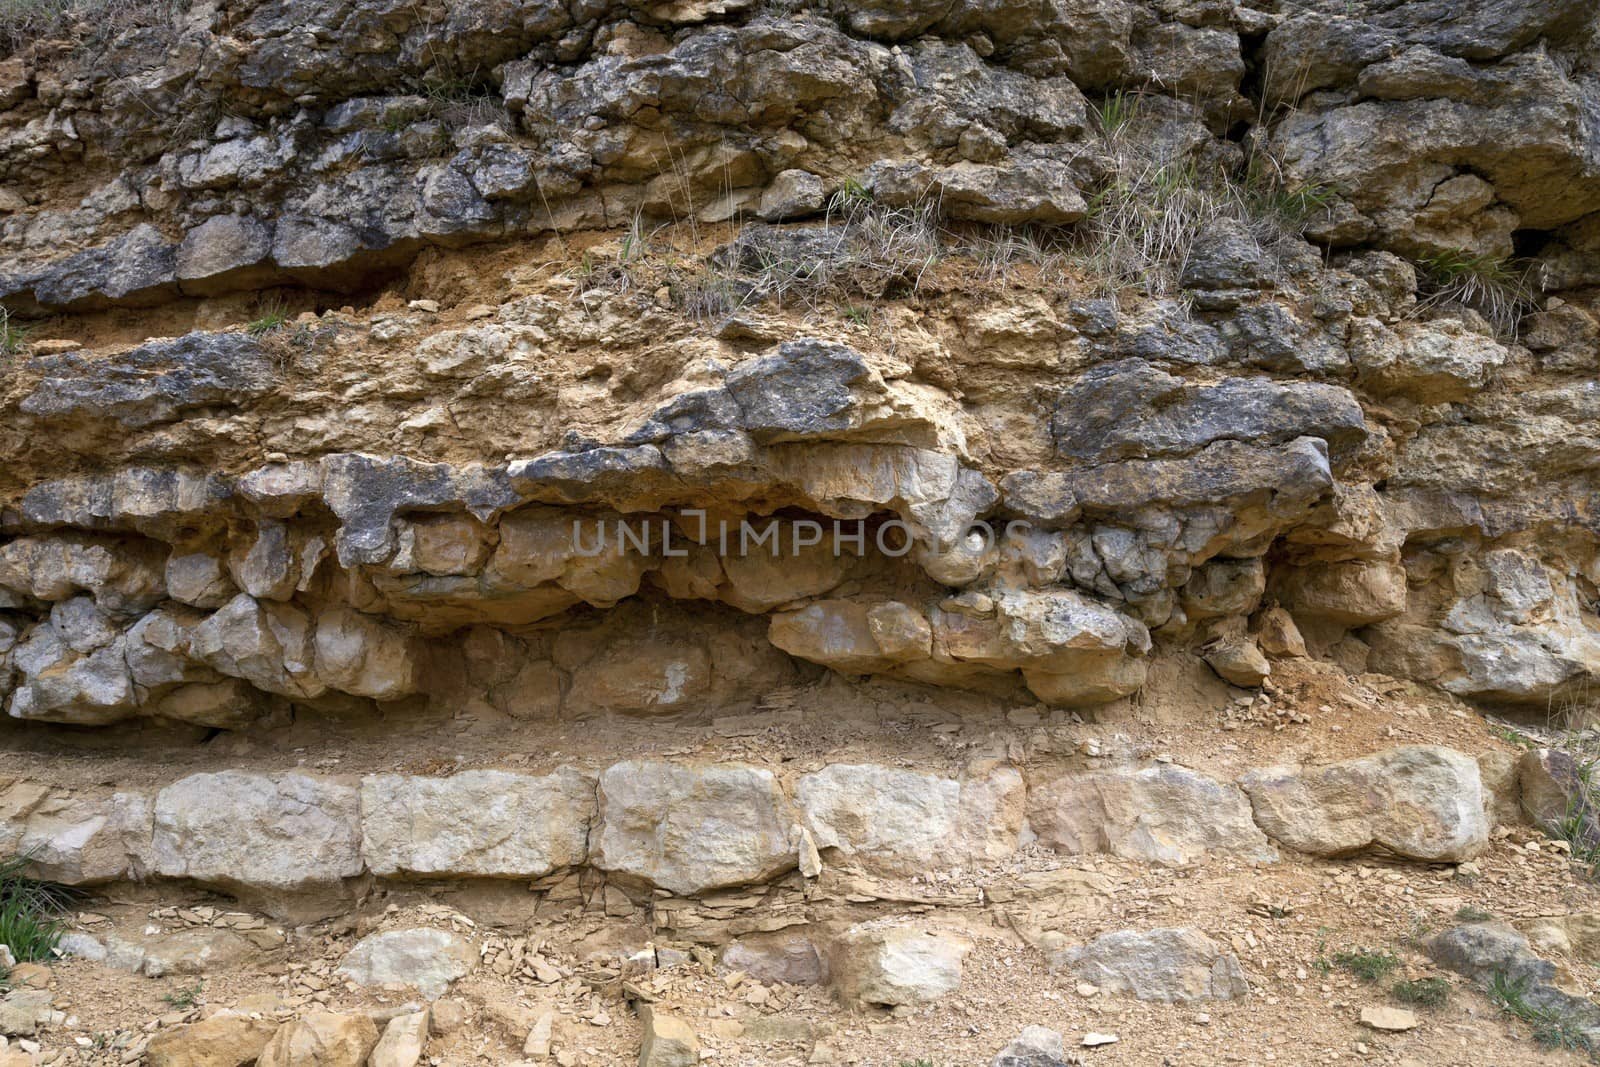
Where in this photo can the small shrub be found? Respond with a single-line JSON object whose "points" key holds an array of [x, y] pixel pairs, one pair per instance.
{"points": [[1551, 1027], [1423, 992], [29, 910], [1269, 196], [1367, 966], [862, 249]]}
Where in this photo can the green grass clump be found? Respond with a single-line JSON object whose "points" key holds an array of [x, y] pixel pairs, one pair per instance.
{"points": [[29, 911], [1493, 286], [1422, 992], [1552, 1028], [185, 996], [274, 317], [1116, 111], [1367, 966]]}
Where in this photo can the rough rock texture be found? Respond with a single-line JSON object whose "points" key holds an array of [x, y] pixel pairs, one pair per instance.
{"points": [[1488, 952], [902, 822], [890, 963], [426, 959], [1162, 814], [321, 1039], [1036, 1046], [293, 842], [765, 486], [226, 1039], [486, 823], [216, 525], [1422, 802], [289, 832], [1175, 965], [692, 829], [668, 1041]]}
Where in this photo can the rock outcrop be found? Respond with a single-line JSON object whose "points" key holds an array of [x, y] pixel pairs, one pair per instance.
{"points": [[781, 489]]}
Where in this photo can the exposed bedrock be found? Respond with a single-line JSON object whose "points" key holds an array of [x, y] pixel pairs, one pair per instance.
{"points": [[806, 503], [494, 480], [295, 843], [231, 148]]}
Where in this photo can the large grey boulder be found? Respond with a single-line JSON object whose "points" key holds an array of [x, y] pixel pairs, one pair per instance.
{"points": [[1421, 802], [1169, 965], [425, 958]]}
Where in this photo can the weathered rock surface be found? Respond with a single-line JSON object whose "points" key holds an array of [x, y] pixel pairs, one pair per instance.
{"points": [[485, 823], [357, 397], [1036, 1046], [890, 962], [1174, 965], [321, 1039], [226, 1039], [902, 822], [24, 1011], [668, 1041], [689, 829], [402, 1041], [1160, 814], [287, 832], [1420, 801], [1486, 952], [429, 960]]}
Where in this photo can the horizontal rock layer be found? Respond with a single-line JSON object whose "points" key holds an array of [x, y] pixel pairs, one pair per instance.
{"points": [[691, 829]]}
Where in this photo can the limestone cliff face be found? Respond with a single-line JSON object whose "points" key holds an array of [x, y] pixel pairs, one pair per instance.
{"points": [[1355, 438]]}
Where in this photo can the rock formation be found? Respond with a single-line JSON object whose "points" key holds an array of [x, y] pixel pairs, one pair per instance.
{"points": [[510, 448]]}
